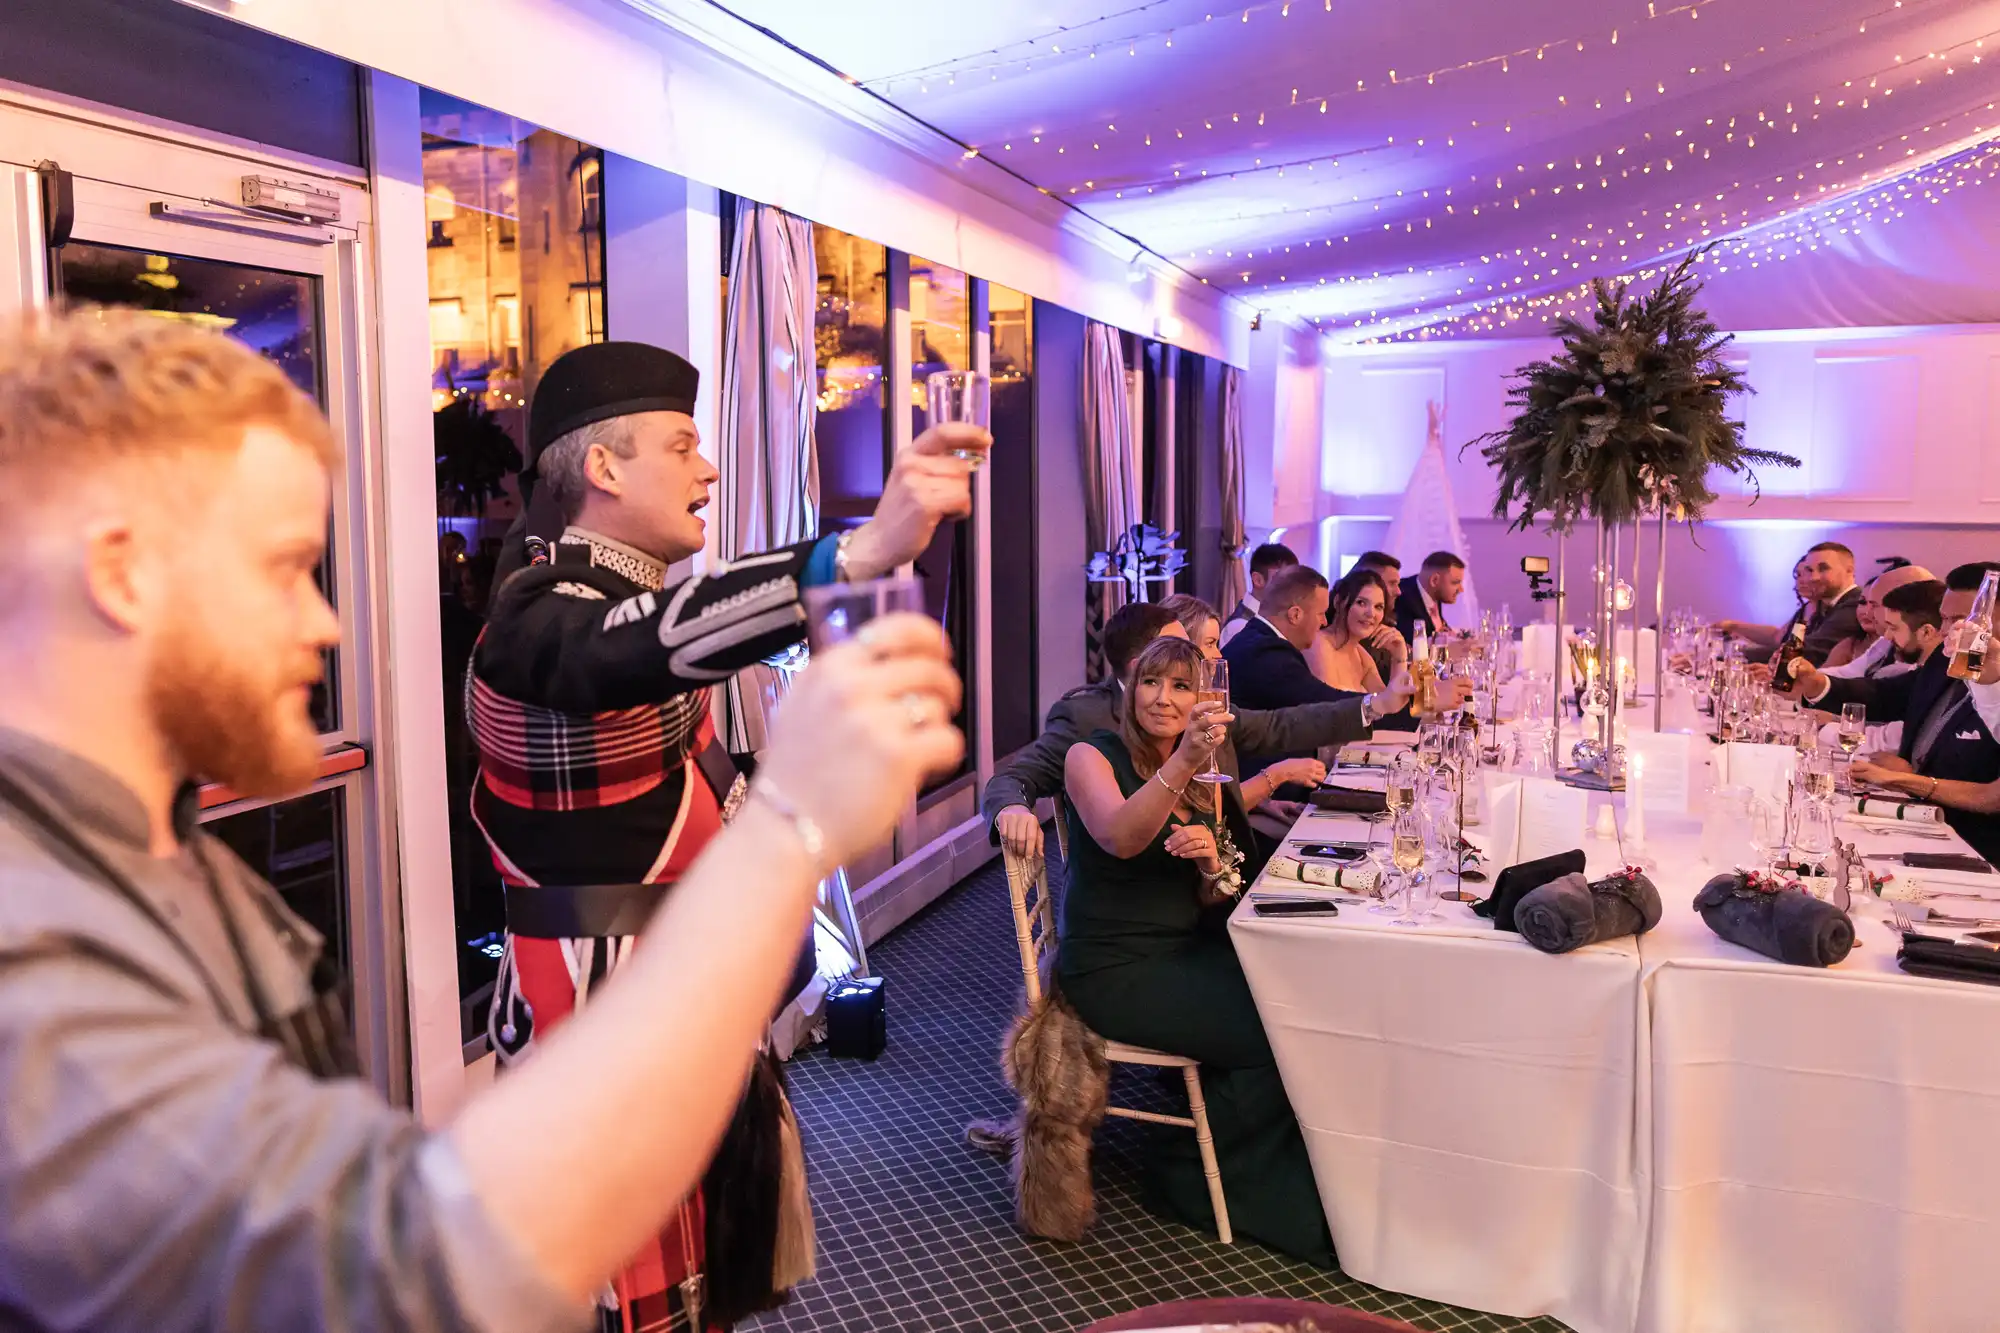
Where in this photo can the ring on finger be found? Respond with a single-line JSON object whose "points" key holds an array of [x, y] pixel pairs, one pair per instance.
{"points": [[915, 711]]}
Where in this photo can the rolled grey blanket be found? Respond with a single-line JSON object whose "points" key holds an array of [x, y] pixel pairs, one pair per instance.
{"points": [[1570, 912], [1789, 925]]}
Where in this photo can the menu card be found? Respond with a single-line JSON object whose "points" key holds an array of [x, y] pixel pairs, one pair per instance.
{"points": [[1765, 769], [1666, 760], [1501, 836], [1553, 816]]}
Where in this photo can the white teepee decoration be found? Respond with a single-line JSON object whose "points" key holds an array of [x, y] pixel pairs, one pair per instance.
{"points": [[1429, 521]]}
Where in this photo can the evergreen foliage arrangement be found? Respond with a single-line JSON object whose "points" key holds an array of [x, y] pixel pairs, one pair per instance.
{"points": [[1629, 418]]}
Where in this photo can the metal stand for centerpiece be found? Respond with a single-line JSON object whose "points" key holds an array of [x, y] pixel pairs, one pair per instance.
{"points": [[1598, 761]]}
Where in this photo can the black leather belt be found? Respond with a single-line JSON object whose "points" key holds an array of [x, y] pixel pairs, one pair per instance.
{"points": [[586, 911]]}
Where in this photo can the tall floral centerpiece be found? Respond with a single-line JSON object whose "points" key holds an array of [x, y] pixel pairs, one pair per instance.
{"points": [[1628, 421]]}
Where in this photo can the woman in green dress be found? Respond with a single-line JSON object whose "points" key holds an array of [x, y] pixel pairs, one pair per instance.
{"points": [[1155, 860]]}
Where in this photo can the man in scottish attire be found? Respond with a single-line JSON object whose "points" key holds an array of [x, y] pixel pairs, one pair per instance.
{"points": [[601, 775]]}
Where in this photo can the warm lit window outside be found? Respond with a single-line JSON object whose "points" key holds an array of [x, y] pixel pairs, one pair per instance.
{"points": [[1016, 713], [850, 334], [941, 339], [515, 228]]}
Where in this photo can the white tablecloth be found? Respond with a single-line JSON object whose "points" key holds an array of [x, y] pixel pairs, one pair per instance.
{"points": [[1677, 1137], [1467, 1104], [1826, 1142]]}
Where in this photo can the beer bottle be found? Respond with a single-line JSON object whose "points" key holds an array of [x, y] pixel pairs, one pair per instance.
{"points": [[1969, 641], [1790, 658], [1423, 674]]}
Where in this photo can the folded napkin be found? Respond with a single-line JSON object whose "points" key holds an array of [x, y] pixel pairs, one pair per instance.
{"points": [[1948, 960], [1893, 808], [1516, 881], [1789, 925], [1362, 879], [1350, 801], [1570, 912]]}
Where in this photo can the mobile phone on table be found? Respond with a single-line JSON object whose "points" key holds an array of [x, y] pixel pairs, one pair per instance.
{"points": [[1294, 907], [1331, 851]]}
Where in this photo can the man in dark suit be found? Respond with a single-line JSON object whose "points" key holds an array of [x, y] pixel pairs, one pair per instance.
{"points": [[1829, 604], [1266, 561], [1837, 618], [1948, 754], [1423, 601], [1037, 771], [1268, 669]]}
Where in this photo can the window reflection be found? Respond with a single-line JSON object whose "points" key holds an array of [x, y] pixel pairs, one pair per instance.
{"points": [[275, 314], [1016, 711], [941, 339], [300, 847], [850, 336], [515, 235]]}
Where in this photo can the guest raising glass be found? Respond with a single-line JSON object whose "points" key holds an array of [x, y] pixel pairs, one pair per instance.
{"points": [[1145, 954]]}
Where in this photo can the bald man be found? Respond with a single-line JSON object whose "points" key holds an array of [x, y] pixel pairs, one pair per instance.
{"points": [[1878, 658]]}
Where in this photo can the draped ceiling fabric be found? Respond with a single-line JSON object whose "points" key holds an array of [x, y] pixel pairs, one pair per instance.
{"points": [[1111, 491], [1235, 581], [769, 465], [1428, 521], [1462, 167]]}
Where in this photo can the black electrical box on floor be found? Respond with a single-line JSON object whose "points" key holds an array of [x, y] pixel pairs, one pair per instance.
{"points": [[857, 1025]]}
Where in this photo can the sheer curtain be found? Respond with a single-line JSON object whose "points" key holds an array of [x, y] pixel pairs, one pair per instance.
{"points": [[769, 493], [1111, 490], [1234, 581]]}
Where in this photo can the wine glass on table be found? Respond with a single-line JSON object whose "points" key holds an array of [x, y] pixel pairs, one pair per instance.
{"points": [[1849, 734], [1213, 688], [1399, 795], [1406, 850], [960, 395]]}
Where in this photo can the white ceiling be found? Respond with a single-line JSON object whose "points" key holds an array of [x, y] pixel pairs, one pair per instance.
{"points": [[1378, 167]]}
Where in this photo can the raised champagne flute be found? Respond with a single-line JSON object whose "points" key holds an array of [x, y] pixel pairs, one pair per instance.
{"points": [[960, 395], [1212, 687], [835, 612]]}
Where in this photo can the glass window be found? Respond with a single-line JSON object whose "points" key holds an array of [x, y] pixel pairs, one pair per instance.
{"points": [[300, 847], [941, 339], [1010, 321], [850, 336], [275, 313], [516, 252]]}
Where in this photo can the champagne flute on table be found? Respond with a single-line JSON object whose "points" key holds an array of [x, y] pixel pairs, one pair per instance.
{"points": [[1399, 795], [1406, 850], [1212, 687], [1850, 733], [960, 395]]}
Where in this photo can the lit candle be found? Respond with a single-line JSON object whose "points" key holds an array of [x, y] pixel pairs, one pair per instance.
{"points": [[1635, 799]]}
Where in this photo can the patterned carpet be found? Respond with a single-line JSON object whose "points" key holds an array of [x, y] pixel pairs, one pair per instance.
{"points": [[916, 1229]]}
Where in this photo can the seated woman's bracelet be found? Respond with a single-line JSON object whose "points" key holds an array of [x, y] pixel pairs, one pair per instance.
{"points": [[1161, 774]]}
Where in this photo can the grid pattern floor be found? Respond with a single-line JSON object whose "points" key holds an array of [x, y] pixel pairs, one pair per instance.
{"points": [[915, 1228]]}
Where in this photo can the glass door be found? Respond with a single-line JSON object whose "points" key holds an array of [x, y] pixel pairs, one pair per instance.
{"points": [[154, 227]]}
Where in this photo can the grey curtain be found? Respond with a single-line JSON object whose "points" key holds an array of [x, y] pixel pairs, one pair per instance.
{"points": [[1235, 582], [769, 494], [1111, 501]]}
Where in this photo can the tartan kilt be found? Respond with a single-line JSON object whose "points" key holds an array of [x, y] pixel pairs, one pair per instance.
{"points": [[655, 1273]]}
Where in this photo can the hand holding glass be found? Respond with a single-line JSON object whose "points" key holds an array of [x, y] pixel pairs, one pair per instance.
{"points": [[1212, 687], [961, 395]]}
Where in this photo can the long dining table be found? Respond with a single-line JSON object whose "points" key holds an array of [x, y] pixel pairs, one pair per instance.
{"points": [[1667, 1133]]}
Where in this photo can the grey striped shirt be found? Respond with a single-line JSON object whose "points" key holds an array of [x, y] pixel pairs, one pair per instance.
{"points": [[162, 1169]]}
